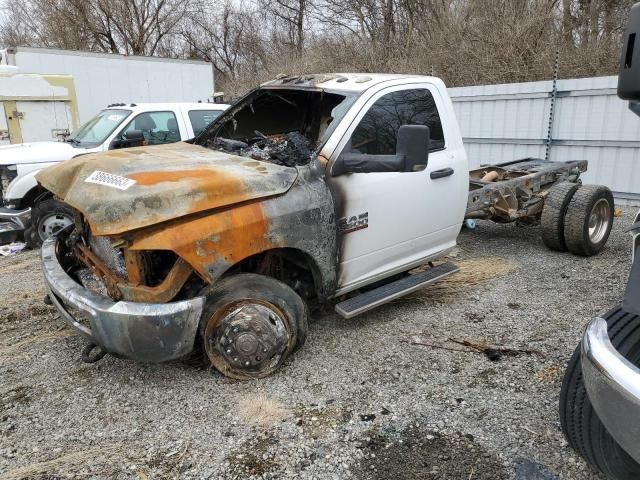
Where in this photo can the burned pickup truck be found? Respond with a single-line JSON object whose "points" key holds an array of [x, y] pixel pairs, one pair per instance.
{"points": [[309, 189]]}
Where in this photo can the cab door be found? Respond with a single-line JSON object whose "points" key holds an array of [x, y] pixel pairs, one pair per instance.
{"points": [[389, 221]]}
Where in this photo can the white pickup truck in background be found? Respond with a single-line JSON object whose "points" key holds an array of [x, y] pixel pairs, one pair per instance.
{"points": [[118, 126]]}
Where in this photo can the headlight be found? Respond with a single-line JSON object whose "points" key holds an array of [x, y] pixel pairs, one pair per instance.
{"points": [[7, 174]]}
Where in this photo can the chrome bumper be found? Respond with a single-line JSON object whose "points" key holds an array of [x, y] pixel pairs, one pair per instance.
{"points": [[146, 332], [613, 385], [13, 223]]}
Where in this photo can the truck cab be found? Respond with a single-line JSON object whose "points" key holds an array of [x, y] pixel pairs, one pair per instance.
{"points": [[116, 127], [328, 187]]}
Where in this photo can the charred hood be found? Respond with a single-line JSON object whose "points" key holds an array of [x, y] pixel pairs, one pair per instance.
{"points": [[123, 190]]}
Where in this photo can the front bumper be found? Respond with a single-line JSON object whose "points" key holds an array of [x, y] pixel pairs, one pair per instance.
{"points": [[146, 332], [13, 223], [613, 385]]}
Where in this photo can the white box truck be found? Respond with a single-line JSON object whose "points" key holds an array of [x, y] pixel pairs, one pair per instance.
{"points": [[105, 78]]}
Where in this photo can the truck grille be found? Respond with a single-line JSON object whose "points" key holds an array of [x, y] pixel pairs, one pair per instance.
{"points": [[6, 176], [112, 257]]}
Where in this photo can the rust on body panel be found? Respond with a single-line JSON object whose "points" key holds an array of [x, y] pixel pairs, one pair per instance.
{"points": [[213, 210], [164, 292], [213, 242], [171, 181], [133, 289]]}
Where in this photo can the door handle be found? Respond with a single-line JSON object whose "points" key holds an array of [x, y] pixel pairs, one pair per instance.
{"points": [[445, 172]]}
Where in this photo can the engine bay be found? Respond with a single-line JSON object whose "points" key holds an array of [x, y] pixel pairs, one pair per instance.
{"points": [[281, 126]]}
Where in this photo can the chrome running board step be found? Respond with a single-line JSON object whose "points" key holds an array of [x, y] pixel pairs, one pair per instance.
{"points": [[390, 291]]}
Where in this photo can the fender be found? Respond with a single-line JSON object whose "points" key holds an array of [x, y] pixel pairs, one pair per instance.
{"points": [[302, 219], [24, 182], [26, 179]]}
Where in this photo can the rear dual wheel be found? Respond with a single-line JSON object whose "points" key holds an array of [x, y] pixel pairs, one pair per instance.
{"points": [[577, 218], [588, 220], [250, 324], [553, 214]]}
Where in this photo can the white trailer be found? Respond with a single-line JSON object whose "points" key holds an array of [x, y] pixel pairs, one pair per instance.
{"points": [[35, 107], [104, 78]]}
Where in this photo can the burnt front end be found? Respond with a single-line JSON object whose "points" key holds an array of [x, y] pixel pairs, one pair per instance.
{"points": [[90, 283], [155, 227]]}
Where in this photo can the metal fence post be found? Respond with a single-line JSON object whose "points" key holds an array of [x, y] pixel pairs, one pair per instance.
{"points": [[552, 106]]}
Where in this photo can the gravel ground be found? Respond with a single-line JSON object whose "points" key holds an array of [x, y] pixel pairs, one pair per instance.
{"points": [[361, 400]]}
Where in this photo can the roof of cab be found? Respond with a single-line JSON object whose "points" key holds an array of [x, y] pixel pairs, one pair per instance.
{"points": [[145, 107], [355, 82]]}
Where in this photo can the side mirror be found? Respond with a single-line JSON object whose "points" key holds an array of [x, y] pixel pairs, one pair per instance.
{"points": [[132, 138], [629, 77], [412, 151], [413, 143]]}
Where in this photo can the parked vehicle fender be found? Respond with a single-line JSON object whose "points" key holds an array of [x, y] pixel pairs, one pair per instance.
{"points": [[26, 179], [24, 183]]}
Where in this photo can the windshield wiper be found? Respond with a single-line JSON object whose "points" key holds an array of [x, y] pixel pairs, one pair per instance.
{"points": [[72, 140]]}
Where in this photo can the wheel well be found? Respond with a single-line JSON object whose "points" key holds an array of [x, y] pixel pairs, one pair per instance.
{"points": [[29, 200], [289, 265]]}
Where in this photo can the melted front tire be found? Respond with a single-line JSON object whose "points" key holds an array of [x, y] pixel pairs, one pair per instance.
{"points": [[250, 325]]}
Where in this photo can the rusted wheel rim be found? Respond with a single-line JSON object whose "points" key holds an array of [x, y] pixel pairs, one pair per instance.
{"points": [[599, 219], [248, 338]]}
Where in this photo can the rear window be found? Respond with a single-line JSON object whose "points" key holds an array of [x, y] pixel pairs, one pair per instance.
{"points": [[200, 119]]}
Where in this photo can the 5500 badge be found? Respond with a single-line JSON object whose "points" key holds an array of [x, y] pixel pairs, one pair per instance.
{"points": [[353, 223]]}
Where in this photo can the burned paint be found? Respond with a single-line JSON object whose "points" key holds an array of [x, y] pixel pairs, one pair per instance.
{"points": [[162, 293], [213, 242], [211, 209], [172, 181], [303, 219]]}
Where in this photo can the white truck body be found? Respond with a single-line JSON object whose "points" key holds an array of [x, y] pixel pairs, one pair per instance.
{"points": [[105, 78]]}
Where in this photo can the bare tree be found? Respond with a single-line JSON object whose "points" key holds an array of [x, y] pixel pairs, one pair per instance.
{"points": [[289, 19], [463, 41], [134, 27]]}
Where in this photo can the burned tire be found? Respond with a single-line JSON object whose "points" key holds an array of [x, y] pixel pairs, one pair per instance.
{"points": [[47, 218], [250, 324], [580, 424], [552, 218], [588, 221]]}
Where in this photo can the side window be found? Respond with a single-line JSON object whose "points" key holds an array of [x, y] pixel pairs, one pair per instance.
{"points": [[200, 119], [157, 127], [377, 131]]}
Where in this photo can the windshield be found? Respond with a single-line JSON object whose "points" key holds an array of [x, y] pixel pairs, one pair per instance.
{"points": [[96, 130], [282, 126]]}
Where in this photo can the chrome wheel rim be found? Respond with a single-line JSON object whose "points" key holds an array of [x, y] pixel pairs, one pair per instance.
{"points": [[52, 224], [599, 219]]}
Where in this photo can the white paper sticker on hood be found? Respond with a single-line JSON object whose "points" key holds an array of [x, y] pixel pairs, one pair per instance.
{"points": [[110, 180]]}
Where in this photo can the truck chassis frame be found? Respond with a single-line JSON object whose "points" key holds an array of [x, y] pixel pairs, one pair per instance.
{"points": [[516, 190]]}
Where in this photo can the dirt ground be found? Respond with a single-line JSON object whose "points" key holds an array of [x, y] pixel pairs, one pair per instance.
{"points": [[389, 394]]}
